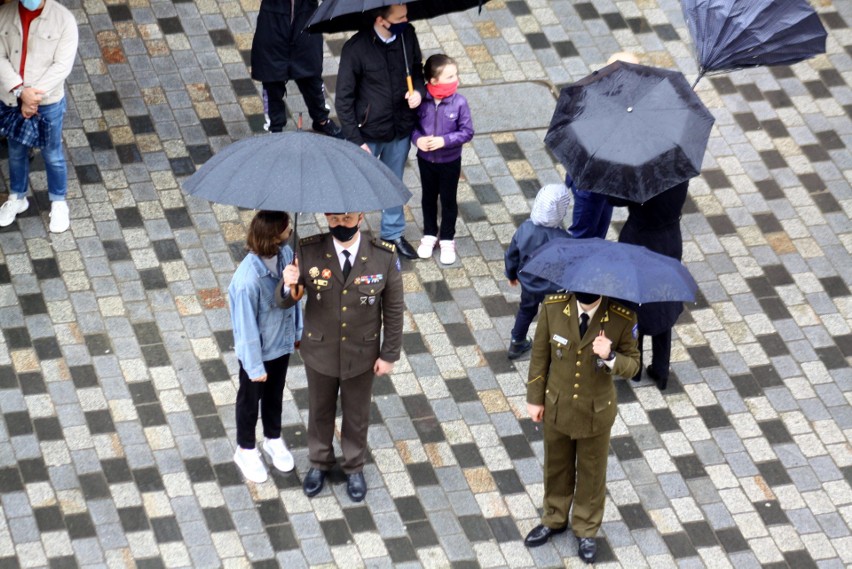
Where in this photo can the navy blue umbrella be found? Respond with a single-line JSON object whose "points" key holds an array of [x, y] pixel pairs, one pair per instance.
{"points": [[617, 270], [732, 34]]}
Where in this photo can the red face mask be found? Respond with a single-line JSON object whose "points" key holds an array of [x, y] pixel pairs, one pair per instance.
{"points": [[442, 90]]}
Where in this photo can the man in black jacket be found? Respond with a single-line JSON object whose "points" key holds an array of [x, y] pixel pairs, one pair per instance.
{"points": [[374, 105], [282, 50]]}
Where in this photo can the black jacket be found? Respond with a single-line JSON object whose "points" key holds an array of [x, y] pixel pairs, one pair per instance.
{"points": [[655, 224], [282, 51], [371, 87]]}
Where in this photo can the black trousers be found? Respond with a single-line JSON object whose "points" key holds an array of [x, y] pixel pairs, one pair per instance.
{"points": [[526, 313], [661, 353], [440, 180], [312, 92], [269, 393]]}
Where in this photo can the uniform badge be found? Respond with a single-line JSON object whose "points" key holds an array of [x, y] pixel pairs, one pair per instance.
{"points": [[560, 340], [319, 296], [371, 300], [326, 273], [321, 282], [363, 301], [357, 280], [636, 330], [313, 272]]}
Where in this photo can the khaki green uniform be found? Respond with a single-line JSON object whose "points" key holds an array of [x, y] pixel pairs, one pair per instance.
{"points": [[579, 405], [349, 324]]}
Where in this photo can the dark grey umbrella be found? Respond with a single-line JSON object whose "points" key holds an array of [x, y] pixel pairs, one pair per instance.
{"points": [[630, 131], [297, 171], [351, 15]]}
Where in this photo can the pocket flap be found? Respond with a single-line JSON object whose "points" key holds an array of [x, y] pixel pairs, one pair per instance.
{"points": [[551, 395], [313, 336], [371, 337], [602, 403]]}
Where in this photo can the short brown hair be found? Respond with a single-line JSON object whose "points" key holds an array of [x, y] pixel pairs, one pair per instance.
{"points": [[264, 230], [435, 65]]}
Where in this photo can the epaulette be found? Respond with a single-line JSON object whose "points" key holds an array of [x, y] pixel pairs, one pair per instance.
{"points": [[382, 244], [310, 239], [551, 298], [621, 311]]}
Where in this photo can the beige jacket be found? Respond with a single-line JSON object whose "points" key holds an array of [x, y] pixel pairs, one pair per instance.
{"points": [[51, 51]]}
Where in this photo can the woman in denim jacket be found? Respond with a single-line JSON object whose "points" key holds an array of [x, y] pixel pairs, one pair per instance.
{"points": [[264, 337]]}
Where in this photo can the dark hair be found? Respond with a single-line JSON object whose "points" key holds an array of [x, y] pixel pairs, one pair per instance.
{"points": [[435, 65], [264, 230], [369, 17]]}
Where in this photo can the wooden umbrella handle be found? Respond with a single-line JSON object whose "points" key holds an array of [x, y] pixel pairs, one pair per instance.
{"points": [[297, 292]]}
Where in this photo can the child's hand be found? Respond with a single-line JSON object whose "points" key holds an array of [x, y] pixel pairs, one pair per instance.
{"points": [[423, 143], [437, 142]]}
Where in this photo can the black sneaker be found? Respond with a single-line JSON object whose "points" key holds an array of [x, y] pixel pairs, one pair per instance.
{"points": [[517, 349], [328, 128]]}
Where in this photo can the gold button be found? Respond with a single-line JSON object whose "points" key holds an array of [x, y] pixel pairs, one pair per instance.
{"points": [[579, 352], [547, 391], [343, 339], [577, 374], [309, 334], [576, 396], [609, 402], [578, 362], [343, 309], [576, 386], [345, 291], [372, 291], [343, 325]]}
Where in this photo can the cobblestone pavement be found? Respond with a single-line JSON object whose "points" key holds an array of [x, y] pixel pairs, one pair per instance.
{"points": [[117, 367]]}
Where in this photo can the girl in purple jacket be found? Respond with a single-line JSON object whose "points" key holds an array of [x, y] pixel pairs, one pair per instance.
{"points": [[443, 126]]}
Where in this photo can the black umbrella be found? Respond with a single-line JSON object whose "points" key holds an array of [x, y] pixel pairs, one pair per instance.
{"points": [[349, 15], [630, 131], [732, 34], [617, 270], [297, 171]]}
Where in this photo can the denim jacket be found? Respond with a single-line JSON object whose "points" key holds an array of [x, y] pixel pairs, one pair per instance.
{"points": [[262, 330]]}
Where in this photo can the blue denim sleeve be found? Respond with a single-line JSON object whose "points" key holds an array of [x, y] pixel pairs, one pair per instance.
{"points": [[244, 303]]}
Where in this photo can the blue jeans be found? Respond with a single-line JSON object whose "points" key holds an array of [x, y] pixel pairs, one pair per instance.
{"points": [[53, 154], [592, 214], [393, 154]]}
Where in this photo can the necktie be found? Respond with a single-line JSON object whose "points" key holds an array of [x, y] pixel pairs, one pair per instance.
{"points": [[347, 266], [584, 324]]}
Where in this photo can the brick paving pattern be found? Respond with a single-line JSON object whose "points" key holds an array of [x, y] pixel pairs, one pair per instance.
{"points": [[117, 369]]}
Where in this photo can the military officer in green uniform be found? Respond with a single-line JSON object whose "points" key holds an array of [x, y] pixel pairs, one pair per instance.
{"points": [[354, 293], [582, 340]]}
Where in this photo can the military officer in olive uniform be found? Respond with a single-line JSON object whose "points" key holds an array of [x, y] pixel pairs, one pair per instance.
{"points": [[582, 340], [354, 290]]}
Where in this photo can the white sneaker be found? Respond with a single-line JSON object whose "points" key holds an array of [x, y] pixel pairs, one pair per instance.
{"points": [[13, 206], [250, 464], [277, 452], [59, 217], [427, 245], [267, 122], [448, 252]]}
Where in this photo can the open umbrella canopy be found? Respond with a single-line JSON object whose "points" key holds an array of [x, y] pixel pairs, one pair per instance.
{"points": [[618, 270], [731, 34], [630, 131], [297, 171], [349, 15]]}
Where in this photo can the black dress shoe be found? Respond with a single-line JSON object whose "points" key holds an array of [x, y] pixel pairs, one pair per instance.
{"points": [[314, 481], [638, 376], [661, 381], [517, 349], [541, 534], [404, 248], [356, 486], [588, 549], [328, 128]]}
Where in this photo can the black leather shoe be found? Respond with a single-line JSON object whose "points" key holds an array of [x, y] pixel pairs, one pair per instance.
{"points": [[517, 349], [661, 381], [638, 376], [588, 549], [328, 128], [356, 486], [404, 248], [541, 534], [313, 482]]}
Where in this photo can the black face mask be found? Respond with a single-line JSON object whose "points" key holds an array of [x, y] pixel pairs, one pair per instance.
{"points": [[398, 28], [586, 298], [343, 233]]}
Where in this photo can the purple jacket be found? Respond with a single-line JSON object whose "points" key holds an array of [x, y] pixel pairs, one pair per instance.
{"points": [[450, 119]]}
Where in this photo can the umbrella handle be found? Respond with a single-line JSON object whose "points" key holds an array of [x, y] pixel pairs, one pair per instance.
{"points": [[410, 84], [297, 292]]}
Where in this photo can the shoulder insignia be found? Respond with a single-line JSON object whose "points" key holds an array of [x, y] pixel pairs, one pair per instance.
{"points": [[310, 239], [621, 311], [382, 244], [551, 298]]}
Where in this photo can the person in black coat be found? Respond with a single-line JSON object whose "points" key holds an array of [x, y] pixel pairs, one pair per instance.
{"points": [[281, 51], [655, 224], [373, 101]]}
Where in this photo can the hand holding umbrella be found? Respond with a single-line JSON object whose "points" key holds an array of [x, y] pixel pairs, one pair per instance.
{"points": [[291, 279]]}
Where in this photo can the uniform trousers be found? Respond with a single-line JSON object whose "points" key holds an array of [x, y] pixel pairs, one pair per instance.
{"points": [[355, 395], [661, 353], [440, 179], [312, 92], [269, 393], [574, 472]]}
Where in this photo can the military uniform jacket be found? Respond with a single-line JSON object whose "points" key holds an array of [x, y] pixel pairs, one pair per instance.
{"points": [[578, 394], [343, 321]]}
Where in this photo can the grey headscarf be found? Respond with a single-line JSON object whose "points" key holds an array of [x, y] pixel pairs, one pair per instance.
{"points": [[551, 205]]}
